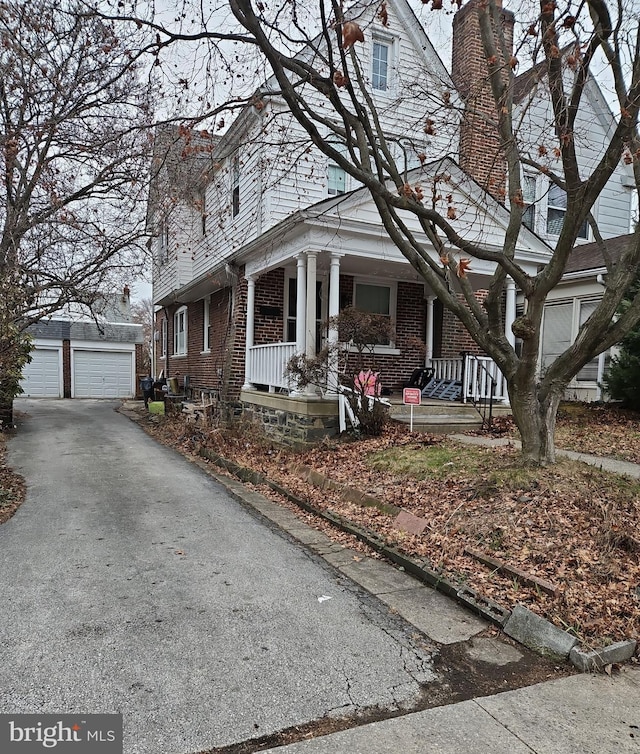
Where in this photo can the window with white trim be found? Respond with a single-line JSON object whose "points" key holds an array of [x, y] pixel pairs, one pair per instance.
{"points": [[529, 198], [561, 323], [380, 61], [235, 185], [163, 338], [163, 241], [375, 298], [336, 180], [180, 332], [206, 323], [556, 211]]}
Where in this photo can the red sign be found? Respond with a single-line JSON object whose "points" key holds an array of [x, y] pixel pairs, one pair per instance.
{"points": [[411, 396]]}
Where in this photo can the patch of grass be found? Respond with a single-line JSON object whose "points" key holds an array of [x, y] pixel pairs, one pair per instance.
{"points": [[445, 461]]}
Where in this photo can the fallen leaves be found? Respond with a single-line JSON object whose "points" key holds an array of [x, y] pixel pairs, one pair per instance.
{"points": [[571, 526]]}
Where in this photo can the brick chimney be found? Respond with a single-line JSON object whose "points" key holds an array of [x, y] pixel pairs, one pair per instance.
{"points": [[480, 152]]}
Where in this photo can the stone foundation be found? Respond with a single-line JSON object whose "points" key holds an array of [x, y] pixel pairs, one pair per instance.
{"points": [[296, 421]]}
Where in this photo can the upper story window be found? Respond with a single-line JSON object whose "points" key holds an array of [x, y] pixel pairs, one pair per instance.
{"points": [[557, 209], [163, 241], [336, 180], [529, 198], [180, 332], [235, 185], [202, 202], [380, 65]]}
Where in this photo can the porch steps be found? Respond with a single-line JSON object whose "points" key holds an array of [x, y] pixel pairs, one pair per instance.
{"points": [[442, 417]]}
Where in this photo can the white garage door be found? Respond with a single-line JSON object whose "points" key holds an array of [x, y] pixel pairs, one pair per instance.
{"points": [[41, 377], [102, 374]]}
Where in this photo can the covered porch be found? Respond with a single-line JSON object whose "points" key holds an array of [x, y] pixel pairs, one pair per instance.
{"points": [[290, 311]]}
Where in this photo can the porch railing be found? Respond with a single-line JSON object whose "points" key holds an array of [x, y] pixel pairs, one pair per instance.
{"points": [[267, 365], [475, 373]]}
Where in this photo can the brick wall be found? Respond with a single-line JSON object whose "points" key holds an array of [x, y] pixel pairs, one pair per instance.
{"points": [[269, 322], [411, 311], [66, 368], [455, 337], [205, 369], [480, 151]]}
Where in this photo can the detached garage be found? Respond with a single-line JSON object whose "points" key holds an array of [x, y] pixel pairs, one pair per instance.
{"points": [[81, 359]]}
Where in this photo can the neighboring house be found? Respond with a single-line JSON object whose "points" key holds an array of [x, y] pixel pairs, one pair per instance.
{"points": [[257, 243], [570, 304], [78, 356]]}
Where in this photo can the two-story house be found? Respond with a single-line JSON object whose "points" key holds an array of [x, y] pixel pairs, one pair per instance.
{"points": [[259, 239]]}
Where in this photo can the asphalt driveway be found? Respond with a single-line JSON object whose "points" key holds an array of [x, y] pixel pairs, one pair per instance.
{"points": [[132, 582]]}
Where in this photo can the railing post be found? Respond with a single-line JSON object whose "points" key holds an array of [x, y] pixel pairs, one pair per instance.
{"points": [[463, 376]]}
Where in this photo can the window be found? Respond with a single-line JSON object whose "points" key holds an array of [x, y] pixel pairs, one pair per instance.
{"points": [[163, 338], [562, 321], [380, 66], [163, 242], [557, 209], [556, 331], [202, 202], [235, 185], [336, 180], [291, 310], [180, 332], [375, 299], [206, 346], [529, 198], [589, 372]]}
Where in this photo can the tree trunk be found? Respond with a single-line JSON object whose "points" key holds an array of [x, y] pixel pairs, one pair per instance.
{"points": [[6, 415], [535, 417]]}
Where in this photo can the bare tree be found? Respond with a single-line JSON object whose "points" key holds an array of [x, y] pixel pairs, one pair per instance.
{"points": [[327, 91], [73, 160], [142, 314]]}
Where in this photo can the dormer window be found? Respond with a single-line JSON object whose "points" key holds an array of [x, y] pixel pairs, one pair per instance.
{"points": [[380, 65], [336, 180]]}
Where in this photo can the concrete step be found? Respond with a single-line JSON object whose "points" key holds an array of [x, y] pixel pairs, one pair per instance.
{"points": [[438, 424]]}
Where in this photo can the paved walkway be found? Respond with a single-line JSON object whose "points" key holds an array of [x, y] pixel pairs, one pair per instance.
{"points": [[608, 464]]}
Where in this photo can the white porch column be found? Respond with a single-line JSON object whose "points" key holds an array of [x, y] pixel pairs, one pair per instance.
{"points": [[334, 310], [510, 312], [428, 340], [509, 318], [250, 326], [310, 324], [301, 304]]}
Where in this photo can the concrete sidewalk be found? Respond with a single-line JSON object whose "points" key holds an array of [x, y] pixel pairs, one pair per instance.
{"points": [[608, 464], [579, 715]]}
